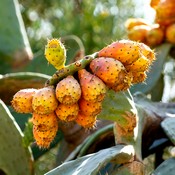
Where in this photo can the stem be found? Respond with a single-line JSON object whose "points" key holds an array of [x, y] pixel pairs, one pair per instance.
{"points": [[70, 69]]}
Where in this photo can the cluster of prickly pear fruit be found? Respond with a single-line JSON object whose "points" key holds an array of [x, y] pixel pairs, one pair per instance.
{"points": [[123, 63], [79, 96], [163, 29]]}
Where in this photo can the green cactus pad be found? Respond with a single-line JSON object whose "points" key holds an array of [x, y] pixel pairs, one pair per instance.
{"points": [[14, 158]]}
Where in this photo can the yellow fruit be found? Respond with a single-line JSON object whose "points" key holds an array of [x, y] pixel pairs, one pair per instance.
{"points": [[68, 90], [44, 135], [44, 101], [87, 122], [22, 100], [141, 65], [139, 33], [132, 22], [67, 112], [155, 36], [147, 52], [170, 33], [44, 119], [90, 108], [139, 77], [165, 12], [44, 131], [55, 53]]}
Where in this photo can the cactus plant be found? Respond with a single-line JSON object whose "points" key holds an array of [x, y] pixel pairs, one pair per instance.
{"points": [[14, 159]]}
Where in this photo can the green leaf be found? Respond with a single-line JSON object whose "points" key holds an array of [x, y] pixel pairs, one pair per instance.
{"points": [[116, 105], [156, 70], [167, 167], [168, 126], [92, 163], [15, 49], [14, 158]]}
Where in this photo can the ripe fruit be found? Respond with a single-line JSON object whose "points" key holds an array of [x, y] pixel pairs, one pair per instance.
{"points": [[44, 135], [85, 121], [138, 77], [165, 12], [139, 33], [132, 22], [154, 3], [55, 53], [155, 36], [112, 72], [90, 108], [140, 65], [43, 131], [67, 112], [22, 100], [170, 33], [44, 101], [147, 52], [44, 119], [93, 89], [124, 51], [68, 90]]}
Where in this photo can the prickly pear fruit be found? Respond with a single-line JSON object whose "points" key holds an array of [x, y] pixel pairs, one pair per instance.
{"points": [[44, 131], [44, 135], [139, 33], [165, 12], [85, 121], [44, 119], [112, 72], [90, 108], [155, 36], [154, 3], [93, 89], [44, 101], [138, 77], [67, 112], [124, 51], [147, 52], [22, 100], [68, 90], [170, 33], [140, 65], [132, 22], [55, 53]]}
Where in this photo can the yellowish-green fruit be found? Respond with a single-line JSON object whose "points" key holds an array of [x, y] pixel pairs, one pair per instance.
{"points": [[44, 101], [22, 100], [55, 53]]}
